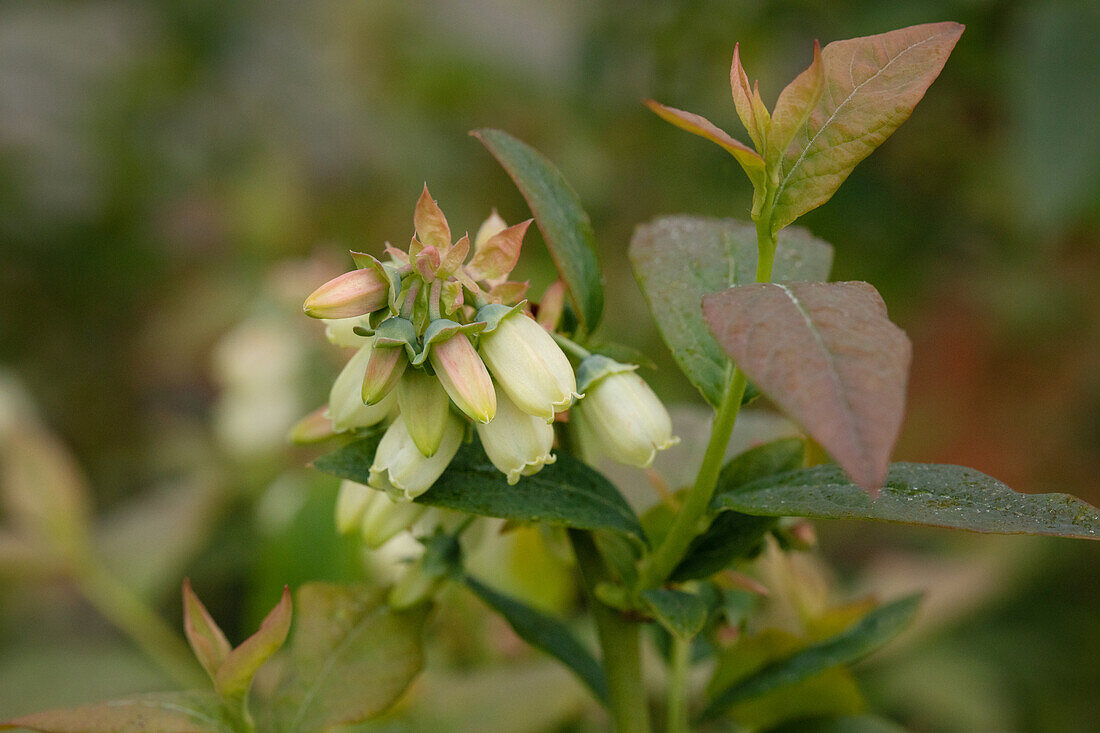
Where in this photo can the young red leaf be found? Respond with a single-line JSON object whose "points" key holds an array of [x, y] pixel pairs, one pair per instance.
{"points": [[872, 85], [431, 225], [206, 638], [750, 108], [827, 354], [498, 255], [234, 677], [749, 159], [795, 104]]}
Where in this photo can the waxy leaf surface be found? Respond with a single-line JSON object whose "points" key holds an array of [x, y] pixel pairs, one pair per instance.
{"points": [[567, 492], [828, 355], [856, 642], [170, 712], [919, 493], [871, 86], [546, 633], [561, 219], [351, 657], [679, 259]]}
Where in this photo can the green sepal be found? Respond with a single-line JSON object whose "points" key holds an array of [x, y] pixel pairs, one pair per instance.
{"points": [[440, 330], [493, 313], [442, 556], [370, 329], [596, 367], [395, 332]]}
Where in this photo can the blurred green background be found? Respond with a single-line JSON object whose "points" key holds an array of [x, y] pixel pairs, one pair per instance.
{"points": [[176, 176]]}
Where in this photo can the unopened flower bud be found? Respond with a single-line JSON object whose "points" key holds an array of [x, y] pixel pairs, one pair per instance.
{"points": [[400, 468], [463, 374], [384, 369], [383, 518], [345, 400], [424, 408], [628, 418], [516, 442], [351, 502], [313, 428], [354, 293], [529, 366]]}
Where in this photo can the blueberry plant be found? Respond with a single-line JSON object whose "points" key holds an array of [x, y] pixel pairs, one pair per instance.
{"points": [[465, 399]]}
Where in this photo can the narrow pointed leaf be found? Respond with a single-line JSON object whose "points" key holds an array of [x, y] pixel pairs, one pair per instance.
{"points": [[796, 103], [753, 113], [679, 259], [872, 85], [351, 657], [731, 534], [170, 712], [500, 253], [828, 355], [851, 645], [682, 614], [234, 677], [204, 635], [560, 218], [431, 225], [748, 158], [567, 492], [919, 493], [546, 633]]}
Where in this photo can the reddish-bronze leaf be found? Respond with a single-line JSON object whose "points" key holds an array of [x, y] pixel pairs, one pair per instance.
{"points": [[498, 255], [430, 223], [750, 108], [871, 87], [203, 633], [828, 355], [793, 108], [234, 677]]}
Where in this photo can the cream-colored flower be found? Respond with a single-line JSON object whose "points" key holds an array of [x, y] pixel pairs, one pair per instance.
{"points": [[531, 368], [399, 467], [345, 399], [516, 442]]}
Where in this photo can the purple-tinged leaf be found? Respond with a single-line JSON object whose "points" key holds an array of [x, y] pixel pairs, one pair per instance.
{"points": [[234, 677], [827, 354], [918, 493], [172, 712], [203, 633], [872, 85], [748, 158]]}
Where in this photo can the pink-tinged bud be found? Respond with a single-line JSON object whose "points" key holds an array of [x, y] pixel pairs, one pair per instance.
{"points": [[345, 400], [354, 293], [313, 428], [527, 363], [628, 419], [384, 369], [517, 443], [424, 408], [463, 374], [401, 470]]}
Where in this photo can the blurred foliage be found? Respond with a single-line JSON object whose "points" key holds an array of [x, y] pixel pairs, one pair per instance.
{"points": [[174, 177]]}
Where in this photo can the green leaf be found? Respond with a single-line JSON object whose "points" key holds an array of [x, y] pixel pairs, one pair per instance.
{"points": [[546, 633], [844, 724], [560, 217], [871, 86], [732, 535], [871, 632], [828, 355], [351, 657], [919, 493], [832, 692], [234, 677], [678, 260], [169, 712], [567, 492], [683, 614]]}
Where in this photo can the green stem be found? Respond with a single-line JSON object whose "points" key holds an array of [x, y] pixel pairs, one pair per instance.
{"points": [[619, 642], [570, 346], [677, 686], [765, 250], [129, 614], [690, 520]]}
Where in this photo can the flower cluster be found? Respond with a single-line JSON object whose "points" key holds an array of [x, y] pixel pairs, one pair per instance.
{"points": [[447, 345]]}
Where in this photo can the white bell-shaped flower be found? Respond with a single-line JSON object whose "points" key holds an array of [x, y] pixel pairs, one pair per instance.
{"points": [[345, 399], [400, 469], [532, 369], [516, 442]]}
